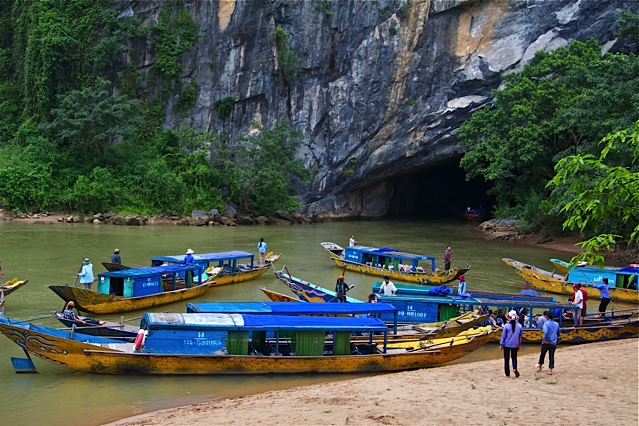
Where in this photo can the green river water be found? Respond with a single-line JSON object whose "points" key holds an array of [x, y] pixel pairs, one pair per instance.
{"points": [[52, 254]]}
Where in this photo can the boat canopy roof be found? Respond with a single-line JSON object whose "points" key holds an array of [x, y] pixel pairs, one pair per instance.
{"points": [[392, 253], [506, 303], [150, 271], [209, 257], [289, 308], [239, 322]]}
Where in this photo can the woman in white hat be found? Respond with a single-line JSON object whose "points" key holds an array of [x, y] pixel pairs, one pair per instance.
{"points": [[511, 342], [189, 259]]}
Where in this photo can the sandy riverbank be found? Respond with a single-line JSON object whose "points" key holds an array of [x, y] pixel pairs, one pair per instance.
{"points": [[593, 384]]}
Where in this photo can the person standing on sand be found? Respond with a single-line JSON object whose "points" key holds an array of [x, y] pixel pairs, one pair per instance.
{"points": [[549, 342], [511, 342], [448, 257]]}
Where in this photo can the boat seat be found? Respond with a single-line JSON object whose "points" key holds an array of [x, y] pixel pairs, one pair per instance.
{"points": [[420, 269]]}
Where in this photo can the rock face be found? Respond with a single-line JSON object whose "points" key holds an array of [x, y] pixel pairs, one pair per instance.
{"points": [[381, 85]]}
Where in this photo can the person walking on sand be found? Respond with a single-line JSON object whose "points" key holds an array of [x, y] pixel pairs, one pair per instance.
{"points": [[548, 342], [511, 342], [261, 249], [115, 257], [604, 295], [448, 257], [86, 274]]}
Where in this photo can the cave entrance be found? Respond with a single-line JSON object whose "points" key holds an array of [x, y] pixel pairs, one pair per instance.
{"points": [[440, 192]]}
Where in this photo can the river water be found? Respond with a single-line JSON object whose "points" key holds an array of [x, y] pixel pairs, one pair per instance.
{"points": [[52, 254]]}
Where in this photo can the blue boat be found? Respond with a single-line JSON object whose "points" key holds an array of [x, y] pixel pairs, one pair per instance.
{"points": [[618, 277], [309, 292], [228, 267], [137, 288], [296, 308]]}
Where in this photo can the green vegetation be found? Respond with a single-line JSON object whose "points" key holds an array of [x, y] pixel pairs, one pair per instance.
{"points": [[81, 129], [324, 6], [538, 143], [392, 31], [404, 10], [286, 59]]}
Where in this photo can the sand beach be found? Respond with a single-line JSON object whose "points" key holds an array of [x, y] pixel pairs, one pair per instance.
{"points": [[592, 384]]}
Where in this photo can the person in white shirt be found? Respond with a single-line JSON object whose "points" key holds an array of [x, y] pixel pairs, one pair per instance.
{"points": [[578, 301], [388, 288], [352, 241]]}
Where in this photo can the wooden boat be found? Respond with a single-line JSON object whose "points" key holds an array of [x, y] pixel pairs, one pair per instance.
{"points": [[618, 277], [278, 297], [556, 283], [385, 261], [309, 292], [620, 329], [12, 285], [110, 266], [232, 344], [118, 330], [234, 266], [137, 288]]}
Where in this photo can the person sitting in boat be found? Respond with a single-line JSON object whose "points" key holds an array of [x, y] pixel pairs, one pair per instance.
{"points": [[500, 319], [372, 298], [341, 288], [387, 287], [524, 318], [491, 321], [70, 315]]}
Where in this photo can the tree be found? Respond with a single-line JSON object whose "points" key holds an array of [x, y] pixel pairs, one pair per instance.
{"points": [[91, 118], [600, 189], [263, 169], [561, 103]]}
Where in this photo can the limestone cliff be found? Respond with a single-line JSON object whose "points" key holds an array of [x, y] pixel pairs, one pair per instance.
{"points": [[381, 85]]}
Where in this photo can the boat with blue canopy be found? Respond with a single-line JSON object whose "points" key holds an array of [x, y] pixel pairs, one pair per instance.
{"points": [[398, 265], [296, 308], [137, 288], [228, 266], [221, 343]]}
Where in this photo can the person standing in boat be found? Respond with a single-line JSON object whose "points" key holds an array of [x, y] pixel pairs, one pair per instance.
{"points": [[511, 342], [448, 257], [115, 257], [387, 287], [461, 288], [549, 342], [604, 295], [578, 301], [352, 241], [341, 288], [189, 259], [261, 249], [86, 274]]}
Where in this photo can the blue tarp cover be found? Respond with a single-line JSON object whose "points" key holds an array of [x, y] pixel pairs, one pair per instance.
{"points": [[290, 307], [210, 257], [150, 271], [210, 321], [441, 290]]}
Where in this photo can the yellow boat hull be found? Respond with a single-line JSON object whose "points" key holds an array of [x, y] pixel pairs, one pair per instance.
{"points": [[12, 285], [221, 279], [98, 303], [426, 278], [554, 283], [91, 358]]}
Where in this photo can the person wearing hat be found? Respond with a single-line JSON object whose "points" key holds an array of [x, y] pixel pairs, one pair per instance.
{"points": [[69, 314], [578, 302], [511, 342], [387, 287], [86, 274], [189, 259], [341, 288], [115, 257], [461, 288]]}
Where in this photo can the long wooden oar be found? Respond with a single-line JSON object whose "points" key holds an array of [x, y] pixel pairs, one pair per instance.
{"points": [[77, 277]]}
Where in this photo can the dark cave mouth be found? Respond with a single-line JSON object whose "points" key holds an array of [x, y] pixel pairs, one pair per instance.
{"points": [[439, 193]]}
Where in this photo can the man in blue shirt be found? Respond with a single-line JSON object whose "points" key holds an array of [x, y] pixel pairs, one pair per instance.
{"points": [[115, 257], [604, 295], [549, 342]]}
